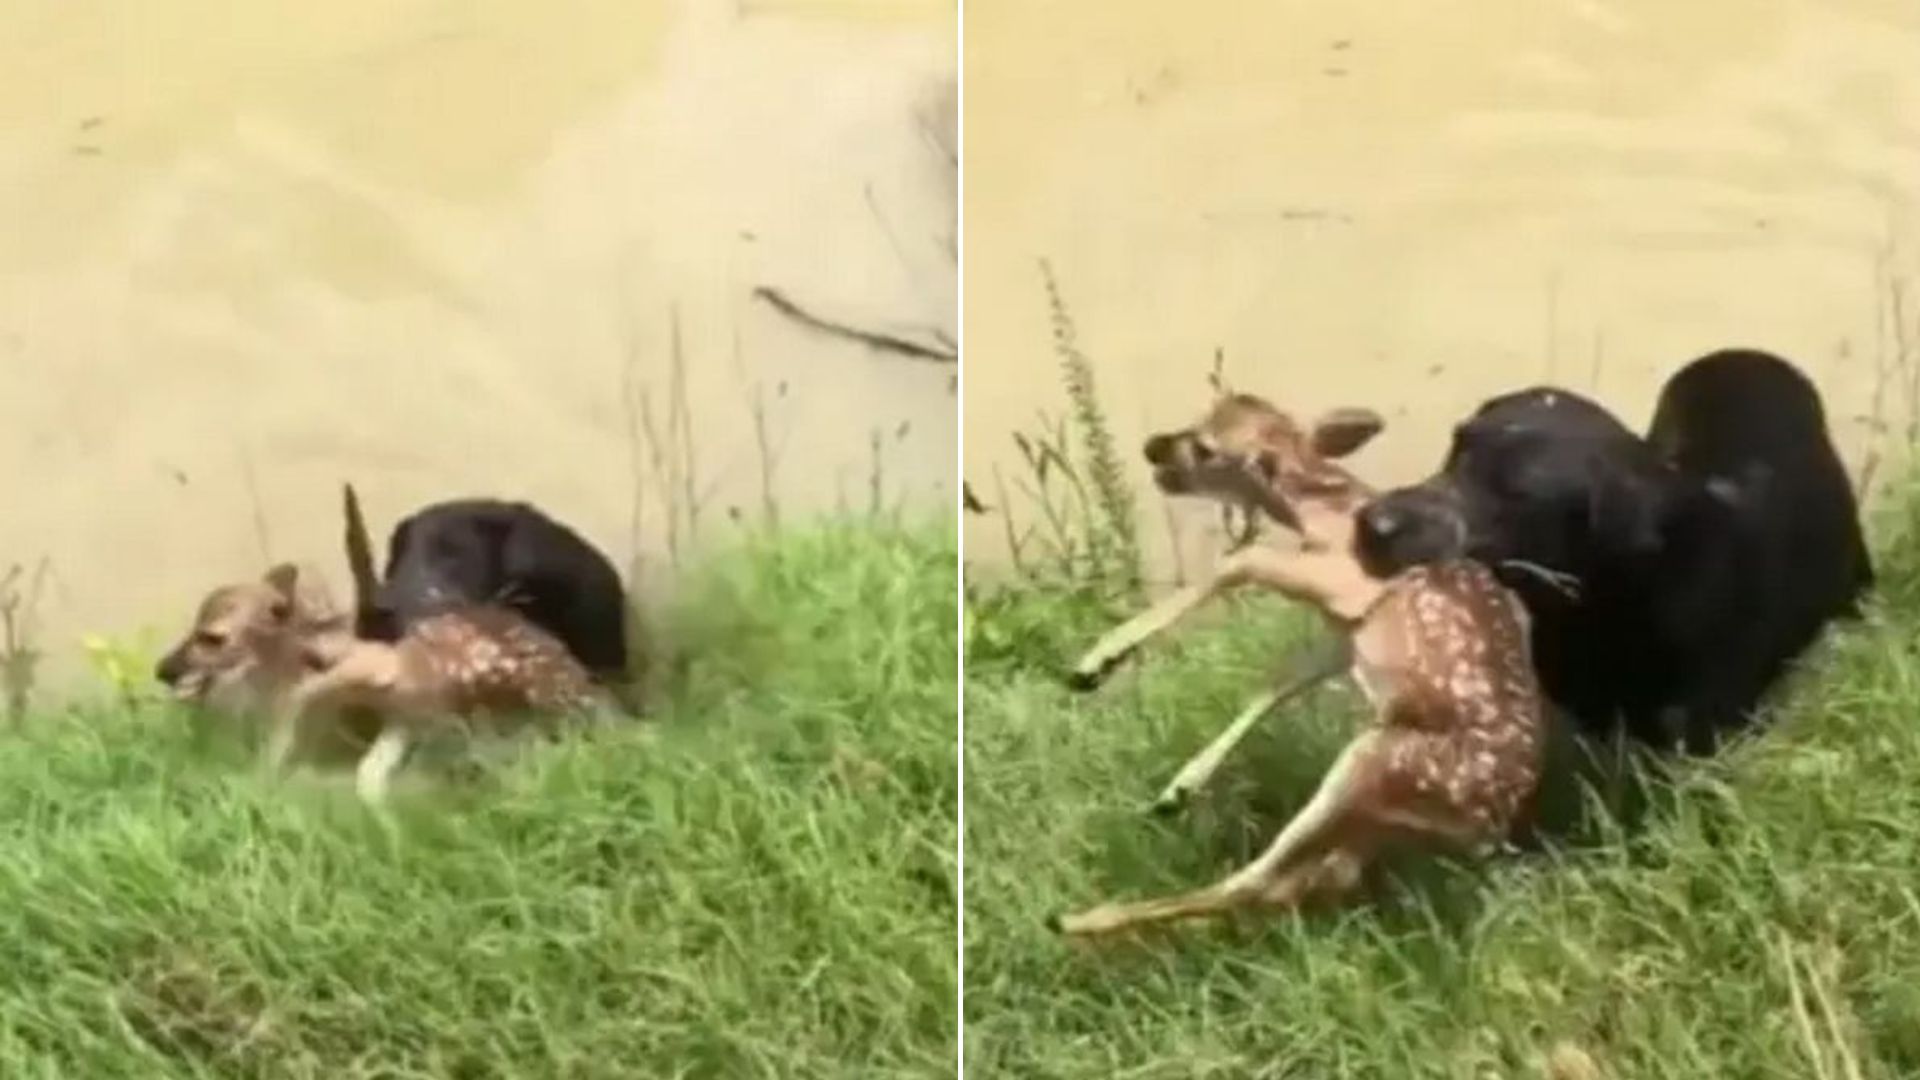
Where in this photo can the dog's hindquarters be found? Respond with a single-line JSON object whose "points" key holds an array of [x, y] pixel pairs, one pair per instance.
{"points": [[1773, 553], [489, 552]]}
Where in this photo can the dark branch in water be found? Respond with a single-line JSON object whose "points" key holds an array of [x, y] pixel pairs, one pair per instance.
{"points": [[971, 502], [871, 339]]}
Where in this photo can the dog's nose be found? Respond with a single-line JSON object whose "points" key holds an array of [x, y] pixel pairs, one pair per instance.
{"points": [[1379, 522], [1159, 449], [169, 669]]}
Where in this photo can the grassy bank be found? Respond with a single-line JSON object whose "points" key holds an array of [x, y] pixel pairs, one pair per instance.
{"points": [[766, 888], [1761, 920]]}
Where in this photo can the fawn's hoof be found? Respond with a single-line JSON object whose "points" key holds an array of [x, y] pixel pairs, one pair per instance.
{"points": [[1083, 681], [1088, 675], [1168, 805]]}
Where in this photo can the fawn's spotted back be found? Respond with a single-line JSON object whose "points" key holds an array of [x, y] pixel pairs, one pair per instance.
{"points": [[484, 659], [1445, 656]]}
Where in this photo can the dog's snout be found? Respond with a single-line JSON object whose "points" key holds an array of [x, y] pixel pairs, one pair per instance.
{"points": [[1380, 522], [1409, 527]]}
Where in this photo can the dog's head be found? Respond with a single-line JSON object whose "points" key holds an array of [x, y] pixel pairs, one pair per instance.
{"points": [[248, 641], [448, 555], [1540, 476], [1246, 451]]}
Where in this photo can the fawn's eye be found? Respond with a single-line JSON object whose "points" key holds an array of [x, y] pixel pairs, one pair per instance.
{"points": [[1202, 452], [211, 639]]}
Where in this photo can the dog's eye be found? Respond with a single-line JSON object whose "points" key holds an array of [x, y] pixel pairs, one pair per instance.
{"points": [[211, 639]]}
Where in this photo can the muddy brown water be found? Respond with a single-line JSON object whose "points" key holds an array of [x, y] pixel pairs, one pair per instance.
{"points": [[446, 249], [1405, 206]]}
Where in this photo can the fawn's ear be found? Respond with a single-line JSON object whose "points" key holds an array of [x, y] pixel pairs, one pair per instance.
{"points": [[284, 579], [1342, 431]]}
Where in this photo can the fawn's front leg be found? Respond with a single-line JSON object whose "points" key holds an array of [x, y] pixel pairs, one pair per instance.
{"points": [[1325, 579], [290, 717], [281, 738]]}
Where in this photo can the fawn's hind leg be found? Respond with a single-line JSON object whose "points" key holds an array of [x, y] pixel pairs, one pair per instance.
{"points": [[374, 775], [1322, 849], [1318, 664]]}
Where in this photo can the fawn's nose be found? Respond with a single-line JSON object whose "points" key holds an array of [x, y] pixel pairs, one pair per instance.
{"points": [[1159, 450]]}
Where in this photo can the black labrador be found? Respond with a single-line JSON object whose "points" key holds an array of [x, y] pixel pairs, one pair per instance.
{"points": [[468, 551], [1671, 579]]}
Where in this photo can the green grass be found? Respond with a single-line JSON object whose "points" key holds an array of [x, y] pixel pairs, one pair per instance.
{"points": [[1760, 919], [766, 888]]}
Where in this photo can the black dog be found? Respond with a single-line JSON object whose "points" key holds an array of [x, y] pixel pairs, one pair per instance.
{"points": [[1698, 562], [470, 551]]}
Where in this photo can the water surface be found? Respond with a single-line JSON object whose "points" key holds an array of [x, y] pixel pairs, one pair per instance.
{"points": [[452, 248], [1404, 206]]}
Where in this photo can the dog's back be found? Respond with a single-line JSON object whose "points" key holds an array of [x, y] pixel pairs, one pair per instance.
{"points": [[1731, 408], [1752, 420], [1751, 426], [468, 552]]}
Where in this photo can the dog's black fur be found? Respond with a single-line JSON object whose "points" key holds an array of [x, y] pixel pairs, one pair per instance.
{"points": [[1707, 556], [477, 551]]}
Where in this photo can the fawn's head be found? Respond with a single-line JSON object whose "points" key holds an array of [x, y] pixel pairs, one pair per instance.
{"points": [[1246, 451], [249, 641]]}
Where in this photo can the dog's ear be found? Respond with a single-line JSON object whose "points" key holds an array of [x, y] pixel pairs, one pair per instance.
{"points": [[1627, 510], [1342, 431], [285, 582]]}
